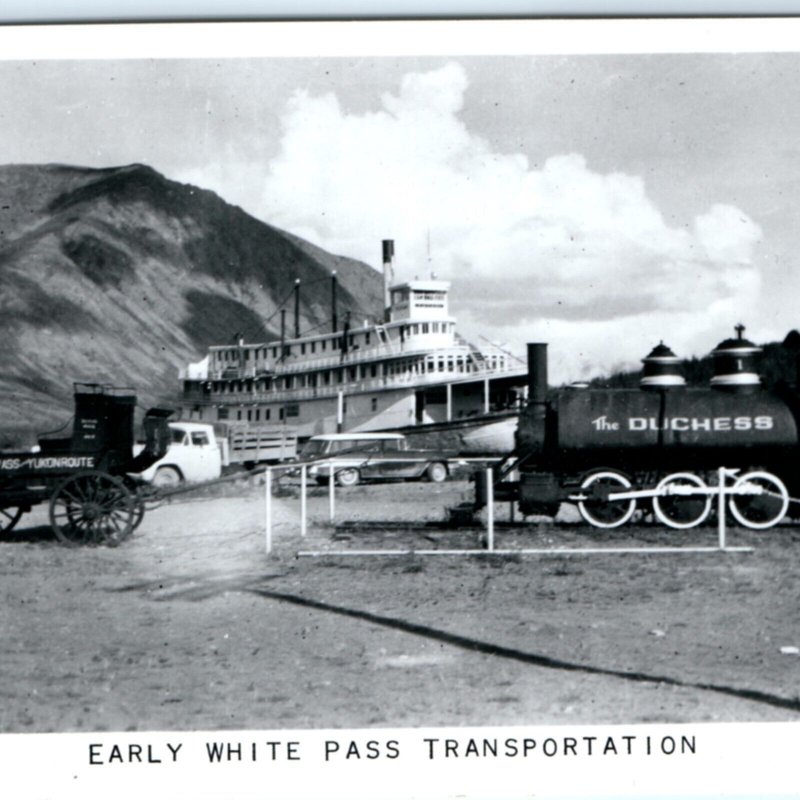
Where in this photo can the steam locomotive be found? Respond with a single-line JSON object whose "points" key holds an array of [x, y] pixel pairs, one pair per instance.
{"points": [[659, 448]]}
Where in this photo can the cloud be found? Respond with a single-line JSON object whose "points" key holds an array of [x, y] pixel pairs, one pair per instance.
{"points": [[564, 253]]}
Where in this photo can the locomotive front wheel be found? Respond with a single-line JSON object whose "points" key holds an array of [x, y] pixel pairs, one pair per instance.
{"points": [[9, 517], [92, 508], [763, 502], [596, 508], [680, 507]]}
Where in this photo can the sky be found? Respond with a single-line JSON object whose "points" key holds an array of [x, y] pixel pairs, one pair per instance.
{"points": [[601, 203]]}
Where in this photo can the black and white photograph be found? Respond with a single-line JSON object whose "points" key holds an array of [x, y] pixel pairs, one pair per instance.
{"points": [[401, 388]]}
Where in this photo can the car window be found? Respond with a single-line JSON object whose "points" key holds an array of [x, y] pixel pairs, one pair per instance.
{"points": [[313, 448], [344, 444], [391, 445], [355, 445], [199, 438]]}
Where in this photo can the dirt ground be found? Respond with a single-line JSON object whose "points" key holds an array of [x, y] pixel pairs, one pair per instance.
{"points": [[189, 625]]}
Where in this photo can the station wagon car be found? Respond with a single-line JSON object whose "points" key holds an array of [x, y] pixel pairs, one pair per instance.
{"points": [[355, 457]]}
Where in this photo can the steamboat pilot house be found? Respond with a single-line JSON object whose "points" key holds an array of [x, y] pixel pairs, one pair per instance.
{"points": [[411, 370]]}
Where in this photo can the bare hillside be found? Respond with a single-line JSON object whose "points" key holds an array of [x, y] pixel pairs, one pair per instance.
{"points": [[122, 276]]}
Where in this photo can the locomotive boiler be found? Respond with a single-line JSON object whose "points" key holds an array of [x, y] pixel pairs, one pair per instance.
{"points": [[658, 448]]}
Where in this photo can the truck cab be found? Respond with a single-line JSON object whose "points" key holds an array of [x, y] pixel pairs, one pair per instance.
{"points": [[193, 456]]}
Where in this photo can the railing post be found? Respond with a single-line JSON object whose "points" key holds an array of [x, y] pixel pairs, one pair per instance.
{"points": [[268, 508], [303, 501], [331, 498], [721, 508], [489, 510]]}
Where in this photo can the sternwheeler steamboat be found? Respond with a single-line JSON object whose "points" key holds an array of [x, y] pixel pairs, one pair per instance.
{"points": [[410, 372]]}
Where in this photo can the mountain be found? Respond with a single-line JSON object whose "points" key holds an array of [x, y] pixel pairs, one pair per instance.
{"points": [[122, 276]]}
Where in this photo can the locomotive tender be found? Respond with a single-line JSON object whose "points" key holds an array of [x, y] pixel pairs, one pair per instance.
{"points": [[660, 447]]}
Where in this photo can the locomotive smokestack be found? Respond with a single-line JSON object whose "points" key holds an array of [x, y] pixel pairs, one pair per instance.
{"points": [[388, 273], [537, 373]]}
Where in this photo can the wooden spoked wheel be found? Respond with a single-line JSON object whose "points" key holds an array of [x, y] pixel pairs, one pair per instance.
{"points": [[92, 508], [596, 508], [682, 505], [9, 517], [760, 500]]}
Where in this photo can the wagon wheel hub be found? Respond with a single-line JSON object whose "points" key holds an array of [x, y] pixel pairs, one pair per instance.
{"points": [[91, 512]]}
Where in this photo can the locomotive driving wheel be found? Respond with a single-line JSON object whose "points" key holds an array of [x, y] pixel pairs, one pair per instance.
{"points": [[759, 500], [596, 507], [684, 503], [92, 508]]}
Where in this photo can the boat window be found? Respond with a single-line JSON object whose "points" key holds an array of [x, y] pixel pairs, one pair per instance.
{"points": [[222, 413], [313, 347], [302, 348], [366, 338], [425, 327], [374, 404]]}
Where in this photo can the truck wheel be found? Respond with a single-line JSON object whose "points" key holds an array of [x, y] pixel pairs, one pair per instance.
{"points": [[348, 477], [436, 472], [166, 477]]}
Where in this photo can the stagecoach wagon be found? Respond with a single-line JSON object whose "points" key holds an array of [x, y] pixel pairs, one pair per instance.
{"points": [[85, 476]]}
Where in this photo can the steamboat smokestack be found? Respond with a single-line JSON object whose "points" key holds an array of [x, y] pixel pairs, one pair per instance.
{"points": [[537, 373], [334, 321], [388, 274], [297, 308]]}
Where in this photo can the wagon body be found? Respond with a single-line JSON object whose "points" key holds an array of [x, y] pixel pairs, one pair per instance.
{"points": [[83, 474]]}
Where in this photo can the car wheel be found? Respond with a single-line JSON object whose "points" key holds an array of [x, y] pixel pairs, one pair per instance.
{"points": [[167, 477], [436, 472], [347, 477]]}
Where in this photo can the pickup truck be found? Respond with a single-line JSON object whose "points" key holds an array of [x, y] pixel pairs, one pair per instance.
{"points": [[198, 453], [194, 455]]}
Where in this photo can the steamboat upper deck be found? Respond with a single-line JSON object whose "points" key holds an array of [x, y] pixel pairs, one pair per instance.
{"points": [[409, 369]]}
